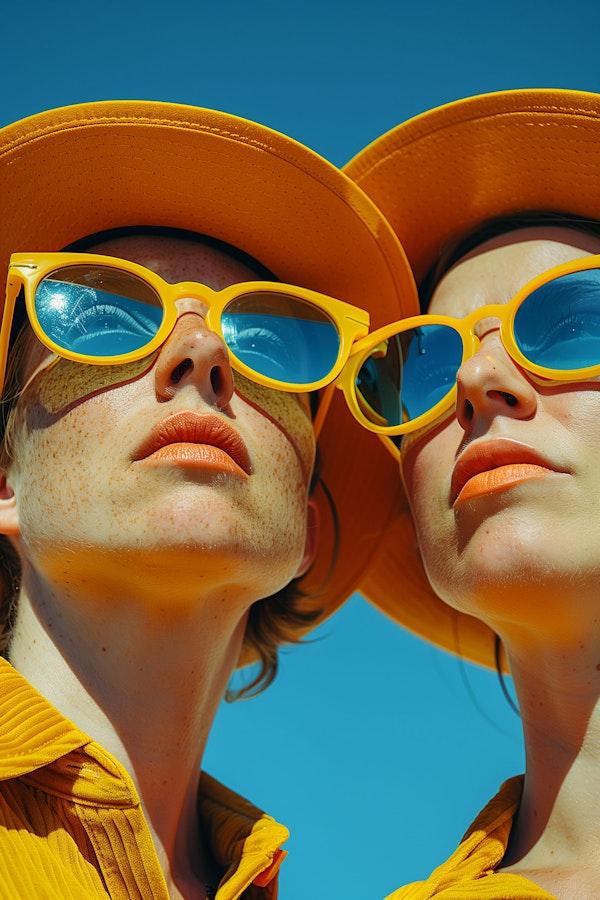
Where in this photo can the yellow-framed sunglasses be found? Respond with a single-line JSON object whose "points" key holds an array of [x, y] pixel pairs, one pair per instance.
{"points": [[402, 377], [107, 311]]}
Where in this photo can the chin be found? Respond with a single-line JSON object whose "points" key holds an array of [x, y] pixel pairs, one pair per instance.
{"points": [[513, 586]]}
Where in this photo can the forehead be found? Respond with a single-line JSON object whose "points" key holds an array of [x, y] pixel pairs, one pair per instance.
{"points": [[178, 259], [497, 269]]}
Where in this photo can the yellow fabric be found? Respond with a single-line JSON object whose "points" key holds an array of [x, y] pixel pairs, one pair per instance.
{"points": [[71, 822], [471, 870]]}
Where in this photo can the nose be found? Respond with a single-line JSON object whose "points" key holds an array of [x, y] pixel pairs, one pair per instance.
{"points": [[490, 384], [194, 355]]}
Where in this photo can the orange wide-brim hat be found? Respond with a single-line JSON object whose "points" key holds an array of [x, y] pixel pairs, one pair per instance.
{"points": [[435, 178], [75, 171]]}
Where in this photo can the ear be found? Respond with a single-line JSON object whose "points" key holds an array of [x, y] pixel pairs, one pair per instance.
{"points": [[9, 516], [313, 532]]}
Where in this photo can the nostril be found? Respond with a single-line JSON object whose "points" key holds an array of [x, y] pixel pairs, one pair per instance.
{"points": [[469, 410], [510, 399], [179, 371], [216, 380]]}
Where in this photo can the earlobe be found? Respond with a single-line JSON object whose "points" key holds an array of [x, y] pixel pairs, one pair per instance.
{"points": [[313, 533], [9, 516]]}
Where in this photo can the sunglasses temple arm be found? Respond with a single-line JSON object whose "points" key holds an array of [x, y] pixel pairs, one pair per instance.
{"points": [[12, 291], [324, 404], [390, 445]]}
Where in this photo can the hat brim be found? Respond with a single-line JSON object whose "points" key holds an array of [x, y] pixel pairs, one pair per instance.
{"points": [[436, 177], [71, 172]]}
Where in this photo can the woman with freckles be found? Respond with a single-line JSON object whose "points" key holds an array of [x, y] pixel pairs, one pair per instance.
{"points": [[489, 397], [183, 288]]}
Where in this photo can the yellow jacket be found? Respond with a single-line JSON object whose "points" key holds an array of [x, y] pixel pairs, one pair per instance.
{"points": [[471, 870], [72, 826]]}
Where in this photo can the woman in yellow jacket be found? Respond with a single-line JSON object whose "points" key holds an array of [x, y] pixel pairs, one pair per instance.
{"points": [[491, 402], [161, 523]]}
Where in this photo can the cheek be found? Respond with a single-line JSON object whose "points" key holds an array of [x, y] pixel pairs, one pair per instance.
{"points": [[577, 409], [283, 450], [288, 413], [55, 473], [48, 443], [426, 468], [428, 453], [65, 383], [426, 472], [413, 472]]}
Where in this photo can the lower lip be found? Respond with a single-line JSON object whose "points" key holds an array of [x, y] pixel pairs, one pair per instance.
{"points": [[500, 479], [201, 456]]}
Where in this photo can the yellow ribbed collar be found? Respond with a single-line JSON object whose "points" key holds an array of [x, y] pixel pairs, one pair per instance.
{"points": [[38, 742]]}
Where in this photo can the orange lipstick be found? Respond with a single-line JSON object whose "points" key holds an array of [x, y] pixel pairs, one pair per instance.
{"points": [[500, 479], [488, 466], [191, 439], [194, 455]]}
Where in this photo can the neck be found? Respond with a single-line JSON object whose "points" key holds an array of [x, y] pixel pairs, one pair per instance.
{"points": [[146, 686], [556, 834]]}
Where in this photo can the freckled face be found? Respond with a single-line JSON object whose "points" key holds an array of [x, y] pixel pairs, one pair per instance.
{"points": [[87, 504], [486, 555]]}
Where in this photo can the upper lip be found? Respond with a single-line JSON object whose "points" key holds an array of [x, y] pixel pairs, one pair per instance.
{"points": [[482, 456], [190, 427]]}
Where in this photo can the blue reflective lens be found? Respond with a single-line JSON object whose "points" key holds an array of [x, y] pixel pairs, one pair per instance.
{"points": [[558, 324], [408, 374], [281, 337], [88, 319], [378, 383]]}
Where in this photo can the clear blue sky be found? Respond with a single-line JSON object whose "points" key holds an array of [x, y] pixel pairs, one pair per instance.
{"points": [[374, 748]]}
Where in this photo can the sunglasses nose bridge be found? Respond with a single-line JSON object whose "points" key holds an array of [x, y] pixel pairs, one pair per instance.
{"points": [[192, 297], [487, 319], [485, 326]]}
